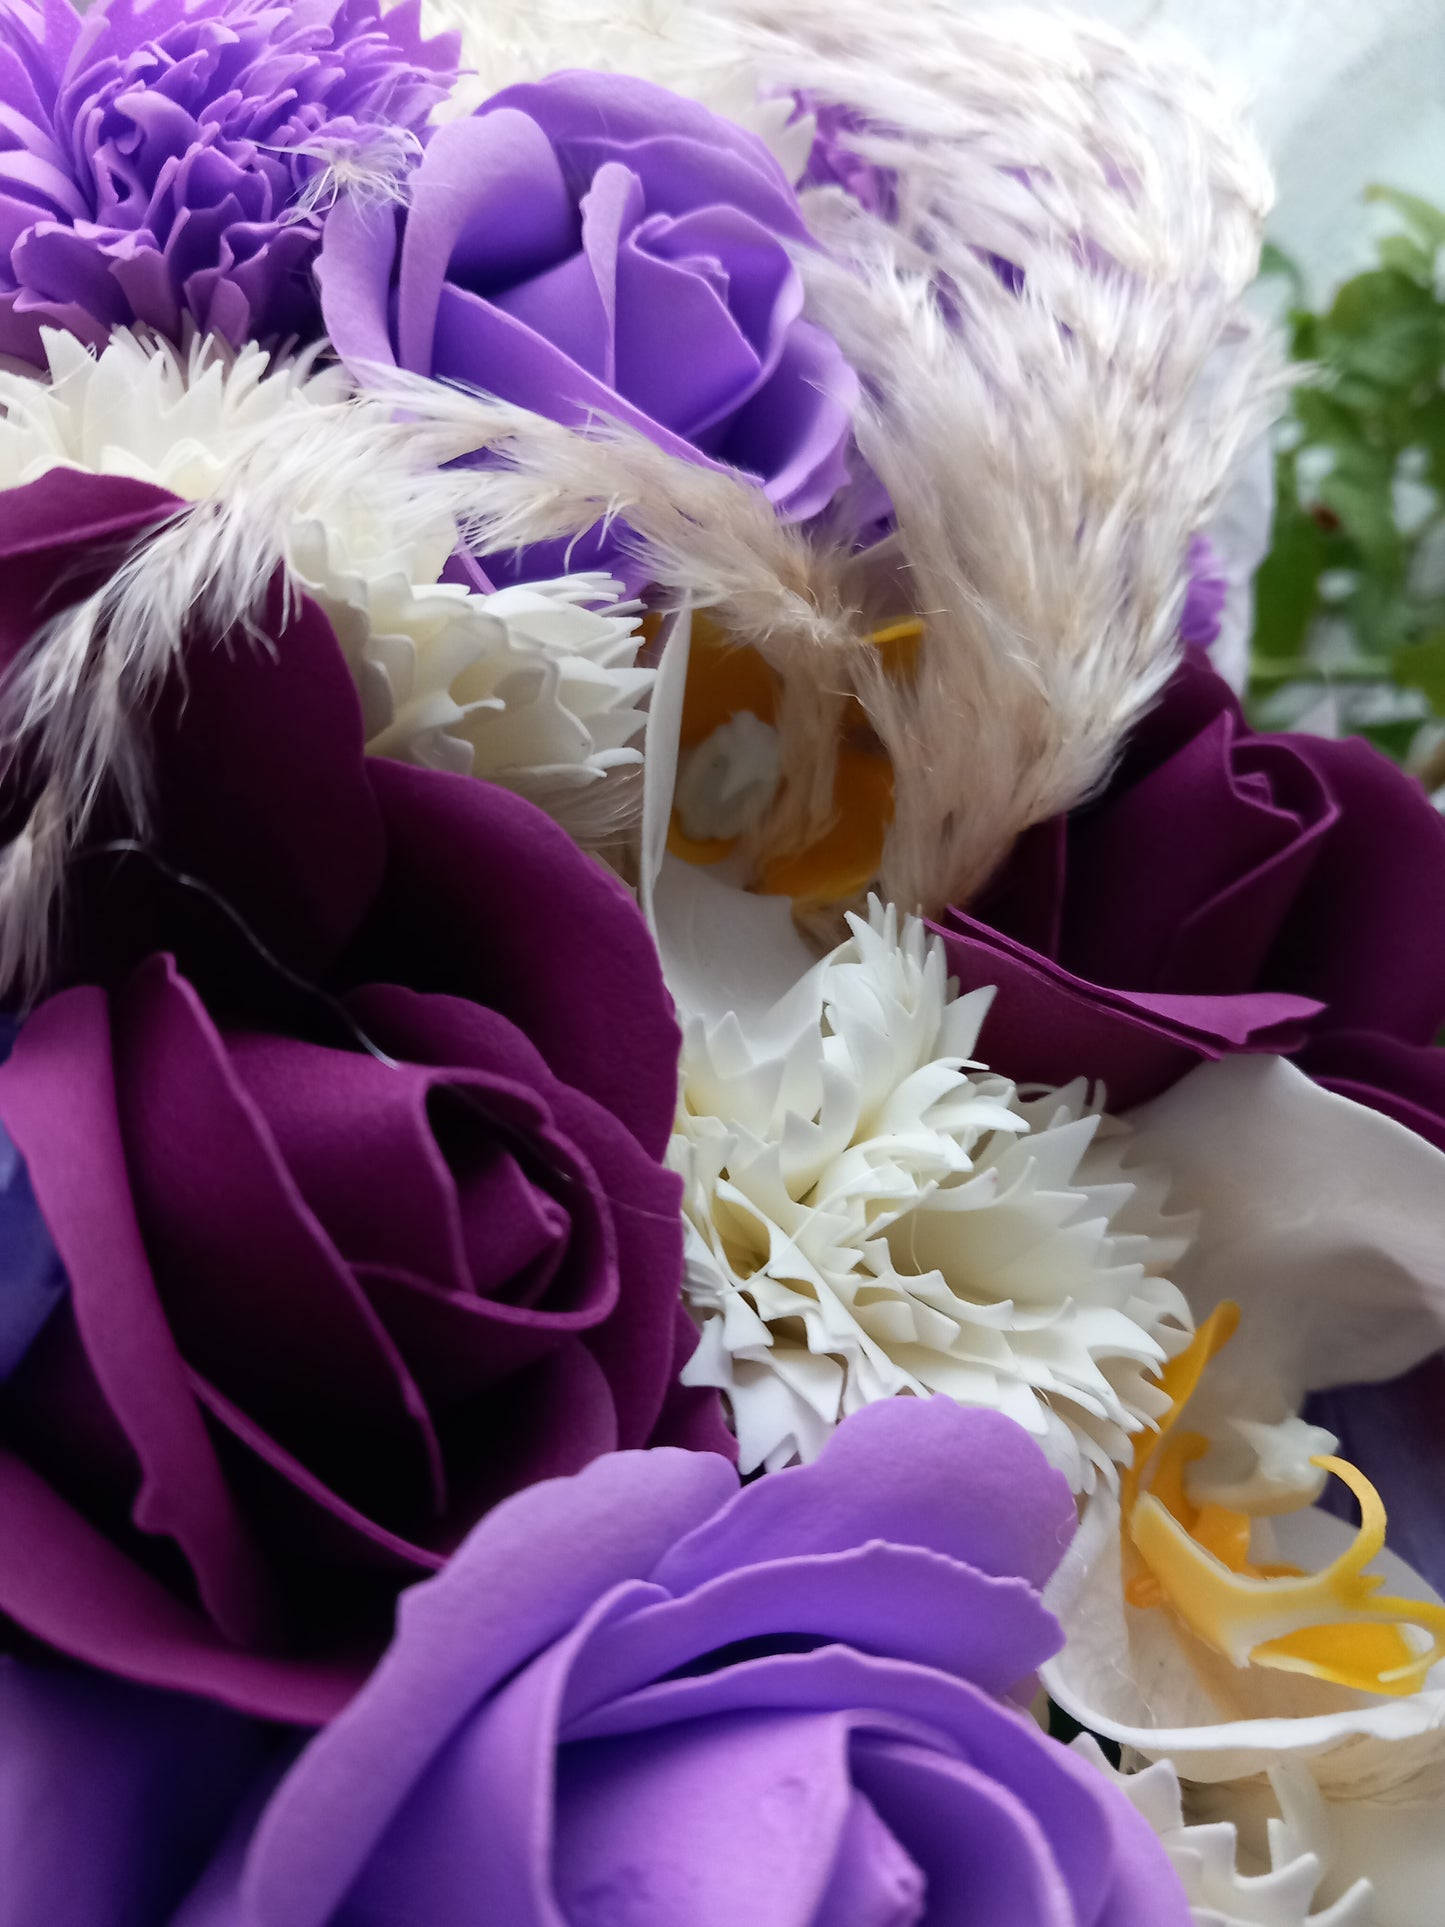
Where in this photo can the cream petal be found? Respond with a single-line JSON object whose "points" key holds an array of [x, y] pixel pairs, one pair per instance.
{"points": [[1318, 1217]]}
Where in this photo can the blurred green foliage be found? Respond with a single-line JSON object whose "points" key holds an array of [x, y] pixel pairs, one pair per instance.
{"points": [[1352, 593]]}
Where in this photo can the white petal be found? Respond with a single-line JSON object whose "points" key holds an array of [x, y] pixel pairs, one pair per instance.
{"points": [[876, 1201], [1221, 1889], [1320, 1218]]}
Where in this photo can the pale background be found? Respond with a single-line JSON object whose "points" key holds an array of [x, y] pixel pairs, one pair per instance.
{"points": [[1345, 92]]}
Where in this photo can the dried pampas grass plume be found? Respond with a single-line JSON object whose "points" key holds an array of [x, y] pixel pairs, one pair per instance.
{"points": [[1060, 380]]}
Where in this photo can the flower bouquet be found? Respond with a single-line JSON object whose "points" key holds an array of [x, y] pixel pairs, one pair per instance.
{"points": [[716, 1204]]}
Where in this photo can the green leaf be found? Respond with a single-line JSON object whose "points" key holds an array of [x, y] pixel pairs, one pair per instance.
{"points": [[1326, 419], [1286, 590], [1400, 252], [1274, 261], [1396, 740], [1364, 303], [1422, 666], [1428, 432], [1384, 617], [1364, 504], [1426, 221]]}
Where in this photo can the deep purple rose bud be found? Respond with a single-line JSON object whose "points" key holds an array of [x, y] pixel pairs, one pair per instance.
{"points": [[344, 1121], [155, 160], [595, 247]]}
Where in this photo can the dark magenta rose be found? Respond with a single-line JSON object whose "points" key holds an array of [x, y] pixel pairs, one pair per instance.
{"points": [[1228, 891], [346, 1119], [592, 246], [643, 1698]]}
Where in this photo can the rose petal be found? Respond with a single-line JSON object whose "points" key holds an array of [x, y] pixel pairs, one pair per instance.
{"points": [[794, 431], [239, 1259], [459, 847], [1215, 902], [488, 205], [1009, 1514], [665, 297], [582, 111], [544, 1558], [60, 537], [353, 271], [903, 1600], [1047, 1026], [691, 1798], [58, 1100], [110, 1759], [81, 1594], [985, 1860]]}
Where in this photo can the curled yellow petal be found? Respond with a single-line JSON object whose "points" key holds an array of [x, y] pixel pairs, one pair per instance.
{"points": [[1337, 1624], [845, 859], [723, 679]]}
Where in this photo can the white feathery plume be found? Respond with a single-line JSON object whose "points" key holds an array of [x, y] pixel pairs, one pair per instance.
{"points": [[1052, 431], [872, 1214], [285, 468]]}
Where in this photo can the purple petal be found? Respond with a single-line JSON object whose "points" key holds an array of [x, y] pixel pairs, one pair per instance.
{"points": [[970, 1484]]}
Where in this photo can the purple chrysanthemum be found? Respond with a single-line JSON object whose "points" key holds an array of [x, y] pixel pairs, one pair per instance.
{"points": [[158, 161]]}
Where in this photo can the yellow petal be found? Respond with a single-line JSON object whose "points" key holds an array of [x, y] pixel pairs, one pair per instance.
{"points": [[1335, 1624], [723, 679], [845, 859]]}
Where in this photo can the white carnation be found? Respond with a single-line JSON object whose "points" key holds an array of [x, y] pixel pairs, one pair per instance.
{"points": [[536, 687], [870, 1212], [1205, 1857]]}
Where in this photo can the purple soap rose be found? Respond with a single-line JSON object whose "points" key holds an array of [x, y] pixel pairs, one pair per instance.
{"points": [[1228, 891], [113, 1797], [347, 1124], [1206, 595], [593, 246], [154, 157], [641, 1696]]}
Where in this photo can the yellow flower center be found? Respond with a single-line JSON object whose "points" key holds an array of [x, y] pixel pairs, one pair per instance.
{"points": [[1337, 1624], [723, 680]]}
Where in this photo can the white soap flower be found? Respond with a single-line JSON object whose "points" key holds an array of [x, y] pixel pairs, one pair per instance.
{"points": [[870, 1212], [1206, 1857], [536, 687]]}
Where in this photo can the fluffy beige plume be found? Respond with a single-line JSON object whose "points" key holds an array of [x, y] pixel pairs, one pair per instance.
{"points": [[1059, 375], [1049, 446]]}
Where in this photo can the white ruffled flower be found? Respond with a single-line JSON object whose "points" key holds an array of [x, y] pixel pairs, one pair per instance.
{"points": [[535, 687], [1206, 1857], [870, 1212]]}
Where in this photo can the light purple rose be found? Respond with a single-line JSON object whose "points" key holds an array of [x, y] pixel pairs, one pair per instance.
{"points": [[153, 156], [1205, 597], [640, 1696], [594, 246]]}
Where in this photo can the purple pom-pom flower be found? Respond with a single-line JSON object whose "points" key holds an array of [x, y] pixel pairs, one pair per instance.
{"points": [[161, 162]]}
